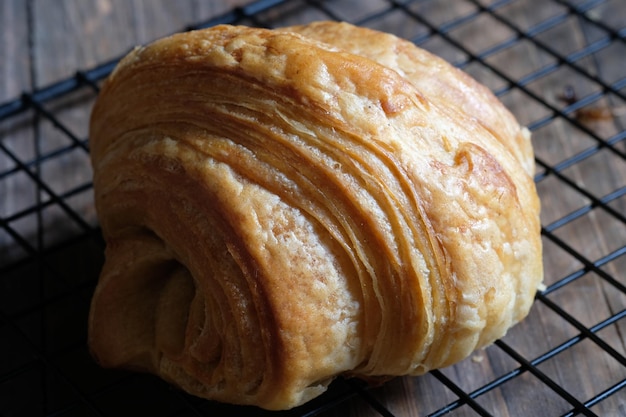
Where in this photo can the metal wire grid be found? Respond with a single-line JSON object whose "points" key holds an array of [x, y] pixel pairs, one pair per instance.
{"points": [[45, 368]]}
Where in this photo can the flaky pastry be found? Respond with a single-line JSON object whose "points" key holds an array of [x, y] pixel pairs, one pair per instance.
{"points": [[282, 207]]}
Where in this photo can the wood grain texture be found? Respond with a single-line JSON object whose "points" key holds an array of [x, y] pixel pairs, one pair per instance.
{"points": [[44, 41]]}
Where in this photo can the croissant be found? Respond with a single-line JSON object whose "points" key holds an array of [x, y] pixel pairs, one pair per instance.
{"points": [[282, 207]]}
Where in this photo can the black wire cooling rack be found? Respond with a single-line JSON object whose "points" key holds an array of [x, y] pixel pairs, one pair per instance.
{"points": [[560, 65]]}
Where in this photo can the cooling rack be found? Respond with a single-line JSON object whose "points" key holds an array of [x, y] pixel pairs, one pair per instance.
{"points": [[559, 65]]}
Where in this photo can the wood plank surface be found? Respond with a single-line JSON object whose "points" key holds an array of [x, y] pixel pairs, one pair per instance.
{"points": [[45, 41]]}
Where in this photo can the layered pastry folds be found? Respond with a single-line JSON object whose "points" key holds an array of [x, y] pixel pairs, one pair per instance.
{"points": [[281, 207]]}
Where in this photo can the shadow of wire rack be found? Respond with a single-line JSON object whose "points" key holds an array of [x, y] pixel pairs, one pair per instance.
{"points": [[566, 359]]}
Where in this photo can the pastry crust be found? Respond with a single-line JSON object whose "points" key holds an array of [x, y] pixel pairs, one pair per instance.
{"points": [[285, 206]]}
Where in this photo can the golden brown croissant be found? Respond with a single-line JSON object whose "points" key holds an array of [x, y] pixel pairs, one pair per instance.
{"points": [[281, 208]]}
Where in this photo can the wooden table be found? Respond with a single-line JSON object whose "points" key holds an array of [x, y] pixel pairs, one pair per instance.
{"points": [[581, 178]]}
